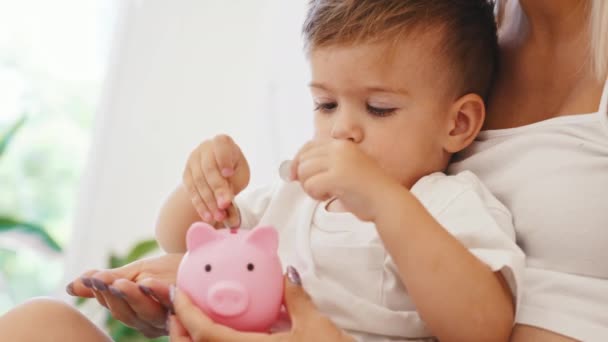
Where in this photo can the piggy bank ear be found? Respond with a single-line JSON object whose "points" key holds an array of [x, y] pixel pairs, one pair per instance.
{"points": [[200, 234], [265, 237]]}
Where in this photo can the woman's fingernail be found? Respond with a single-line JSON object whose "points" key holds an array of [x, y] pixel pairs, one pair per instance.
{"points": [[172, 294], [294, 276], [118, 293], [148, 291], [98, 284], [168, 324], [86, 282], [70, 289]]}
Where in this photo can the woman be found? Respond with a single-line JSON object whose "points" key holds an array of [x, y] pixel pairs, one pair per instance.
{"points": [[540, 157]]}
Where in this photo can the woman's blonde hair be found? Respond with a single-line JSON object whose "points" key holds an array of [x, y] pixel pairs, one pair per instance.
{"points": [[598, 29], [599, 38]]}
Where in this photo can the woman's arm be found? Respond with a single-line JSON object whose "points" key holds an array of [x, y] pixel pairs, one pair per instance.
{"points": [[458, 296]]}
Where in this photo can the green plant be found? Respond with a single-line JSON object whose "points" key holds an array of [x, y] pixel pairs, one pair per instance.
{"points": [[117, 330], [8, 223]]}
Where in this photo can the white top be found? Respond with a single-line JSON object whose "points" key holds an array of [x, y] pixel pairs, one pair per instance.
{"points": [[553, 177], [343, 263]]}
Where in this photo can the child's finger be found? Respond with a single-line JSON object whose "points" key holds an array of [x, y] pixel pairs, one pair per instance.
{"points": [[311, 166], [234, 216], [318, 186], [217, 182], [204, 190], [296, 160], [195, 197], [226, 154]]}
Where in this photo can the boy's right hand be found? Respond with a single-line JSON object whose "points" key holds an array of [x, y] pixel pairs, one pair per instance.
{"points": [[215, 173]]}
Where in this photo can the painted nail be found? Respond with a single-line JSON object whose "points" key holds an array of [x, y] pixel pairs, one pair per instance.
{"points": [[118, 293], [172, 293], [148, 291], [86, 282], [168, 324], [70, 289], [294, 276], [98, 284]]}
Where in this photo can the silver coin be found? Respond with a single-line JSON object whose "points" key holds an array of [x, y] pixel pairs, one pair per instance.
{"points": [[285, 170]]}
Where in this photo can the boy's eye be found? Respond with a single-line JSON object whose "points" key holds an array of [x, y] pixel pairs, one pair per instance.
{"points": [[326, 107], [380, 111]]}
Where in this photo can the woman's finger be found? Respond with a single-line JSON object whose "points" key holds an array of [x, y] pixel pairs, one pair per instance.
{"points": [[145, 307], [122, 311], [79, 289], [298, 302], [177, 333], [202, 328], [158, 290], [90, 283]]}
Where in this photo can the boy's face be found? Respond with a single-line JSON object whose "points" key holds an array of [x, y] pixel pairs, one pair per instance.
{"points": [[390, 102]]}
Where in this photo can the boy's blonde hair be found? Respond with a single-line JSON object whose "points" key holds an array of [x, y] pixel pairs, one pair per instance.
{"points": [[467, 45]]}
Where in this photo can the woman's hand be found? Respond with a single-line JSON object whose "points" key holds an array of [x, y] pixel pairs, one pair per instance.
{"points": [[189, 324], [216, 172], [136, 294]]}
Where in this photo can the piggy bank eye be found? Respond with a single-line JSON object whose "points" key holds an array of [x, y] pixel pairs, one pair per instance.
{"points": [[207, 268], [250, 267]]}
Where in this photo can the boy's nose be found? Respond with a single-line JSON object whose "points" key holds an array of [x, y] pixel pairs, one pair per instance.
{"points": [[347, 128]]}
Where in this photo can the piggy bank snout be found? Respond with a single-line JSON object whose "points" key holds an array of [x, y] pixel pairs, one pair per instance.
{"points": [[228, 299]]}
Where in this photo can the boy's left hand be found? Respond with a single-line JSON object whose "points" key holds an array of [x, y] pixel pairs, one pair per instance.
{"points": [[338, 168]]}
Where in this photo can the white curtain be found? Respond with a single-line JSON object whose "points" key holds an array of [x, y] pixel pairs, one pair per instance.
{"points": [[180, 72]]}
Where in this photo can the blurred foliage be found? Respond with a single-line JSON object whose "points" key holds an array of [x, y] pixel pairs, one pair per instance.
{"points": [[116, 329], [41, 157], [15, 267]]}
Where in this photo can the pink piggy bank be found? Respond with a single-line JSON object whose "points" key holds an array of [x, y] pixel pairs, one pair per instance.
{"points": [[234, 276]]}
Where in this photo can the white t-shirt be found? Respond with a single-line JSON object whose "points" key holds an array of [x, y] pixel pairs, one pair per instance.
{"points": [[343, 263], [553, 177]]}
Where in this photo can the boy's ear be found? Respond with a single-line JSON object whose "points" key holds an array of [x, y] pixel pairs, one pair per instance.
{"points": [[465, 120]]}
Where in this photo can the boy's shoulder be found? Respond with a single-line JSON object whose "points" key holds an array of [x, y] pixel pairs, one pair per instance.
{"points": [[438, 191]]}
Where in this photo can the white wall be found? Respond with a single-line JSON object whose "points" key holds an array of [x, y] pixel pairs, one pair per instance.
{"points": [[183, 71]]}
